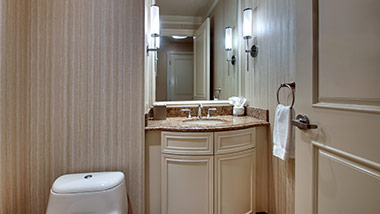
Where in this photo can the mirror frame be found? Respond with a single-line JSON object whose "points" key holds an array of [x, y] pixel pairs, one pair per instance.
{"points": [[192, 103]]}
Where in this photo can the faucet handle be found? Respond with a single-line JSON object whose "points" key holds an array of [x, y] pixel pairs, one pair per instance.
{"points": [[187, 110], [208, 111]]}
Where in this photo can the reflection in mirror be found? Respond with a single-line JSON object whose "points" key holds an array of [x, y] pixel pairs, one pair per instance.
{"points": [[192, 61]]}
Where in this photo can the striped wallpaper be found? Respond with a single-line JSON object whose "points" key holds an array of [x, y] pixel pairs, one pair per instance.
{"points": [[71, 96]]}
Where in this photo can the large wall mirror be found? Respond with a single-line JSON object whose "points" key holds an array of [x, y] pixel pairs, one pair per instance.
{"points": [[192, 59]]}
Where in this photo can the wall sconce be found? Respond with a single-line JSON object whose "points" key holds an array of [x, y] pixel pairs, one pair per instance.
{"points": [[228, 47], [155, 28], [247, 34]]}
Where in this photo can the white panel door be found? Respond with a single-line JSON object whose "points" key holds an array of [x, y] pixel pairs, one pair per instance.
{"points": [[202, 61], [187, 184], [180, 75], [337, 76]]}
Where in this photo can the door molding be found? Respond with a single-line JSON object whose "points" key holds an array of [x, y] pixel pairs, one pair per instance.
{"points": [[357, 163]]}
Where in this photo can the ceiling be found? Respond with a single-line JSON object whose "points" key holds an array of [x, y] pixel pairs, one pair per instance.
{"points": [[184, 7]]}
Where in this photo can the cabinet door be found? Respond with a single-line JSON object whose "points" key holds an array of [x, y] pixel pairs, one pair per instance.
{"points": [[187, 184], [235, 182]]}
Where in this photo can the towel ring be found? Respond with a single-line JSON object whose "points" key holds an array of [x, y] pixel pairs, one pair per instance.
{"points": [[291, 86]]}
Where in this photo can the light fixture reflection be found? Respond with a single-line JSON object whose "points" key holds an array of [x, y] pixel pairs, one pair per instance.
{"points": [[179, 37], [155, 28], [155, 20], [228, 47], [228, 39]]}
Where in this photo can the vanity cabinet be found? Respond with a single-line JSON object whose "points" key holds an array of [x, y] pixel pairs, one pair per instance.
{"points": [[208, 172]]}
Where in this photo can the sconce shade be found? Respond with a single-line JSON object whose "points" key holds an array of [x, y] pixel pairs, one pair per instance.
{"points": [[228, 39], [155, 20], [247, 23]]}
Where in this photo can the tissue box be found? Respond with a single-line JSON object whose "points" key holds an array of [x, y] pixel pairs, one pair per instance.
{"points": [[238, 111], [159, 112]]}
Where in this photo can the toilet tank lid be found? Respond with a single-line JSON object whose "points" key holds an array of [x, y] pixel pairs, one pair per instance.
{"points": [[87, 182]]}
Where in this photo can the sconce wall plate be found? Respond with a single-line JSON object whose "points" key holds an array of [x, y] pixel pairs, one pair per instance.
{"points": [[254, 51], [232, 60]]}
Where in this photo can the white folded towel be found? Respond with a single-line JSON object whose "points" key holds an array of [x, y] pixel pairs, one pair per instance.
{"points": [[283, 137]]}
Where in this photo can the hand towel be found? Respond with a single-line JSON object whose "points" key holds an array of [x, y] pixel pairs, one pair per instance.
{"points": [[283, 137]]}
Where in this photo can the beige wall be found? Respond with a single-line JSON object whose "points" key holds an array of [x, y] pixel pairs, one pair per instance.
{"points": [[161, 83], [224, 15], [274, 27], [71, 96]]}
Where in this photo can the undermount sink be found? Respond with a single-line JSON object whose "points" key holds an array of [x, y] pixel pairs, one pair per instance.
{"points": [[204, 122]]}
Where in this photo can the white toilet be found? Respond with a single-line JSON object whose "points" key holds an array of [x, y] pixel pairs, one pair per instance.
{"points": [[95, 193]]}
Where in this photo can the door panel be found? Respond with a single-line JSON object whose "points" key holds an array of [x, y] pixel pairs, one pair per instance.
{"points": [[180, 71], [349, 31], [202, 62], [338, 164]]}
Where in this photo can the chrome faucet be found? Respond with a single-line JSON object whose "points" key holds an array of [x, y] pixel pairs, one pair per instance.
{"points": [[208, 112], [200, 107]]}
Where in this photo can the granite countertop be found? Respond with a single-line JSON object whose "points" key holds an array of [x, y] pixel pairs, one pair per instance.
{"points": [[229, 123]]}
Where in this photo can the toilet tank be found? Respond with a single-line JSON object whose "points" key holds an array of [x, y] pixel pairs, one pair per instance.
{"points": [[90, 193]]}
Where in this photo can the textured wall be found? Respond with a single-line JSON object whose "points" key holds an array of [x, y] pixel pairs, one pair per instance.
{"points": [[71, 96], [274, 32]]}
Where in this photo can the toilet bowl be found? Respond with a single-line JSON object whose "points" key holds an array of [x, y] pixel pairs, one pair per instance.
{"points": [[90, 193]]}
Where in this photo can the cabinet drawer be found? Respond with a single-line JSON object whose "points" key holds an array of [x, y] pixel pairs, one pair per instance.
{"points": [[234, 141], [188, 143]]}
